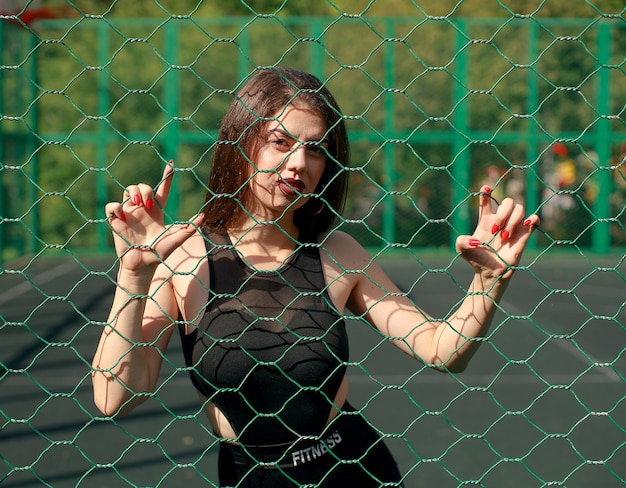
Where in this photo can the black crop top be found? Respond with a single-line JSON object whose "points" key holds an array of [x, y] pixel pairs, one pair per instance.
{"points": [[270, 350]]}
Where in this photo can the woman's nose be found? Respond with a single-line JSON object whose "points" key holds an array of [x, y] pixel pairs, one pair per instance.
{"points": [[296, 159]]}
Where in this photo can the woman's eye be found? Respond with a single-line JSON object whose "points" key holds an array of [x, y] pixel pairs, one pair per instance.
{"points": [[316, 148], [280, 143]]}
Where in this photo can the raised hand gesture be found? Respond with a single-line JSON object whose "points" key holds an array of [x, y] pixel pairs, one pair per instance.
{"points": [[500, 237], [142, 241]]}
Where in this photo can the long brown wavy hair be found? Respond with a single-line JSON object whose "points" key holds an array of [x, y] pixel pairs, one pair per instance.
{"points": [[264, 95]]}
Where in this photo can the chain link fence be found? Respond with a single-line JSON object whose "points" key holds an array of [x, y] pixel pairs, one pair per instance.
{"points": [[436, 105]]}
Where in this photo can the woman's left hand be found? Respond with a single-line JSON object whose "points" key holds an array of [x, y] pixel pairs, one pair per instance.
{"points": [[500, 238]]}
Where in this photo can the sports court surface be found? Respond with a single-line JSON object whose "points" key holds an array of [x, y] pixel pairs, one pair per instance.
{"points": [[542, 403]]}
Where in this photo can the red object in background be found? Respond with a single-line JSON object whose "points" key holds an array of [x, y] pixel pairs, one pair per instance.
{"points": [[28, 16], [559, 149]]}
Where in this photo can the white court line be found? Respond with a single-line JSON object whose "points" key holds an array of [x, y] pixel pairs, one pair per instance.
{"points": [[37, 280]]}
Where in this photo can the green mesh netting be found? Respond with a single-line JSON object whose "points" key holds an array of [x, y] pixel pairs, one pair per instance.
{"points": [[438, 98]]}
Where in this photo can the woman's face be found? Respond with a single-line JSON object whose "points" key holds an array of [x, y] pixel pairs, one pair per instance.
{"points": [[290, 160]]}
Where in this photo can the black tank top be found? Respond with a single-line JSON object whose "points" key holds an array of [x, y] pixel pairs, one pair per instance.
{"points": [[270, 350]]}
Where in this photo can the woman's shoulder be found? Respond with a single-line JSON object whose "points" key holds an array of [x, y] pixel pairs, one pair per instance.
{"points": [[344, 249], [336, 238]]}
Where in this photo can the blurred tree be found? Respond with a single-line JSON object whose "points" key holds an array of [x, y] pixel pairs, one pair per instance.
{"points": [[104, 107]]}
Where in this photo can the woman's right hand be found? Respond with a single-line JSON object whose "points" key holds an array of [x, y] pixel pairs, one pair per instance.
{"points": [[142, 241]]}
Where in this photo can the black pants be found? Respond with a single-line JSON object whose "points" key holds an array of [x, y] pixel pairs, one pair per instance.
{"points": [[353, 455]]}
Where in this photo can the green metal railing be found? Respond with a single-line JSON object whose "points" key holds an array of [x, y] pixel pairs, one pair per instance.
{"points": [[36, 135]]}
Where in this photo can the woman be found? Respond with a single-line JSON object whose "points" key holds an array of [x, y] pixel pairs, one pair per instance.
{"points": [[258, 285]]}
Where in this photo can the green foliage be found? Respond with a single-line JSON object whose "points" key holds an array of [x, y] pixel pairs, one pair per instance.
{"points": [[121, 87], [198, 8]]}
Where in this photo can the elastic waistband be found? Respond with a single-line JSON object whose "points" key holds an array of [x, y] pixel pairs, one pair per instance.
{"points": [[301, 451]]}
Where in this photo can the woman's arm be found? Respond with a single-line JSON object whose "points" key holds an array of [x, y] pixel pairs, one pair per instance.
{"points": [[128, 359], [129, 355], [447, 345]]}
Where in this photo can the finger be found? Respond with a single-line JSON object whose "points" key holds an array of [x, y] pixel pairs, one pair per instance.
{"points": [[532, 221], [503, 214], [114, 210], [466, 243], [198, 220], [486, 202], [138, 195], [163, 188], [146, 195], [132, 195], [176, 235], [513, 223]]}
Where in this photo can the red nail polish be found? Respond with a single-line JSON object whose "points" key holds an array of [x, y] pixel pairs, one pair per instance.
{"points": [[474, 242], [527, 222], [505, 235], [149, 203], [495, 228], [487, 189], [137, 199], [123, 216]]}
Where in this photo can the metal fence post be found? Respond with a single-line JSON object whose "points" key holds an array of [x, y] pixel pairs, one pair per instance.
{"points": [[601, 237], [172, 107], [32, 190], [102, 143], [460, 163], [533, 175], [389, 205]]}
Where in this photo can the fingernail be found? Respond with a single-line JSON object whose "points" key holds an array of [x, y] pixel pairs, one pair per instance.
{"points": [[495, 228], [123, 216], [474, 242], [137, 199], [149, 203], [487, 189], [505, 235], [527, 222]]}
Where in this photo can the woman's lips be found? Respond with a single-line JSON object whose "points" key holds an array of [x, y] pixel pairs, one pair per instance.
{"points": [[290, 186]]}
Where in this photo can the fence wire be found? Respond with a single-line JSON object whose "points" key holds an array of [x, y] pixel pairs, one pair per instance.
{"points": [[95, 98]]}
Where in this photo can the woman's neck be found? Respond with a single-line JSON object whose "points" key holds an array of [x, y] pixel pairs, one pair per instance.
{"points": [[264, 246]]}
